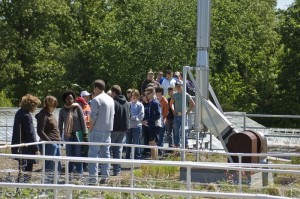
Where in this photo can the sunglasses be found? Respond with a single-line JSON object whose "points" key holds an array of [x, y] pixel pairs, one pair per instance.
{"points": [[148, 93]]}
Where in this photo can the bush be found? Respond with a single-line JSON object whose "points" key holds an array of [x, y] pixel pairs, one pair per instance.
{"points": [[4, 101]]}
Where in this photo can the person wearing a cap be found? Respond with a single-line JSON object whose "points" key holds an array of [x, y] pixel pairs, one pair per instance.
{"points": [[148, 80], [87, 114], [85, 95], [177, 75], [176, 100]]}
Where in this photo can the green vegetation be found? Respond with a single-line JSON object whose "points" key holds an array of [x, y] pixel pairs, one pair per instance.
{"points": [[48, 46]]}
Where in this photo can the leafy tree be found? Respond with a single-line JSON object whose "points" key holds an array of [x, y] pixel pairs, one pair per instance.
{"points": [[243, 53], [30, 30], [289, 78]]}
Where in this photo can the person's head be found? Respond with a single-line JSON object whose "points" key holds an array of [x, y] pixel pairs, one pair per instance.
{"points": [[177, 74], [159, 92], [150, 92], [85, 95], [170, 91], [135, 95], [29, 103], [150, 75], [129, 94], [68, 97], [116, 90], [169, 74], [151, 85], [160, 75], [109, 93], [99, 86], [49, 103], [178, 86], [144, 98]]}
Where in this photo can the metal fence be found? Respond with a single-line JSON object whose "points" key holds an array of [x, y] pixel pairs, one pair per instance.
{"points": [[133, 189]]}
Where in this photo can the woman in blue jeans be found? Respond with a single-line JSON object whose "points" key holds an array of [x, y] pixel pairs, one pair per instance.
{"points": [[136, 116], [47, 129], [72, 125]]}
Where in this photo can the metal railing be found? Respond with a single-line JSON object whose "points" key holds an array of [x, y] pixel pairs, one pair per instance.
{"points": [[240, 167]]}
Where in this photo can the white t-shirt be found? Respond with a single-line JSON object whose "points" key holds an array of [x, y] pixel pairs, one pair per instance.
{"points": [[166, 84]]}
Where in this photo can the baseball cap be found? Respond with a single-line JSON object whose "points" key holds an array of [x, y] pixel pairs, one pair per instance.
{"points": [[84, 93], [179, 83], [177, 74], [150, 72]]}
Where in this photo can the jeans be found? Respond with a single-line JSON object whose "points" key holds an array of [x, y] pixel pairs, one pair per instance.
{"points": [[161, 135], [74, 151], [133, 137], [117, 137], [98, 152], [178, 130], [170, 131], [52, 150]]}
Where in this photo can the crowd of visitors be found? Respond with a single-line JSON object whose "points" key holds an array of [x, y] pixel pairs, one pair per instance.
{"points": [[142, 117]]}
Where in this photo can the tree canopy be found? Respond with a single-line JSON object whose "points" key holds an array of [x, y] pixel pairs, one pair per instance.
{"points": [[48, 46]]}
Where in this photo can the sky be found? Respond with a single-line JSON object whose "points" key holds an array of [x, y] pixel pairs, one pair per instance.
{"points": [[283, 4]]}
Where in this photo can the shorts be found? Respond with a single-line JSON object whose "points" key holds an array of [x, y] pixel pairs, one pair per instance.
{"points": [[153, 132]]}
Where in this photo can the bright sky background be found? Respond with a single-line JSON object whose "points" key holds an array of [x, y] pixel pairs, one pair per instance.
{"points": [[283, 4]]}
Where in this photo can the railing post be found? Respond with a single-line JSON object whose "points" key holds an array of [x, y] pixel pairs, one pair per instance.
{"points": [[67, 172], [244, 114], [44, 162], [240, 174], [6, 133], [55, 177], [188, 179], [197, 146], [132, 169]]}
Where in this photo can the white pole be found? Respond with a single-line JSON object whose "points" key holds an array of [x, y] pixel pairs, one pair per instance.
{"points": [[203, 43]]}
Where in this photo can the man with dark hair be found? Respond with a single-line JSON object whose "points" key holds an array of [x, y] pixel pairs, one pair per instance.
{"points": [[121, 125], [101, 125]]}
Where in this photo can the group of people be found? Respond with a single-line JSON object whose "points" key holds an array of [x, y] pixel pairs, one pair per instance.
{"points": [[102, 117]]}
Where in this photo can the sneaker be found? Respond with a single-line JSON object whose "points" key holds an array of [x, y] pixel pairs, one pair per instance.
{"points": [[117, 173], [103, 181]]}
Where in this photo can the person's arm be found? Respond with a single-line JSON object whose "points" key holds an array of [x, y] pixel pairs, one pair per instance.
{"points": [[30, 133], [81, 119], [94, 114], [60, 121], [141, 114], [172, 101], [165, 109], [191, 104]]}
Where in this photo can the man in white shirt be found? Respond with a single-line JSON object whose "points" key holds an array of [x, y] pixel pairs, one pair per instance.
{"points": [[169, 81]]}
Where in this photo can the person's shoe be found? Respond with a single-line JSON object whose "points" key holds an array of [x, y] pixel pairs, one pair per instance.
{"points": [[117, 173], [103, 181]]}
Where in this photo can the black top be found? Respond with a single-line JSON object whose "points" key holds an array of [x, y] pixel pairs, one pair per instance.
{"points": [[23, 132], [122, 113], [170, 115]]}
